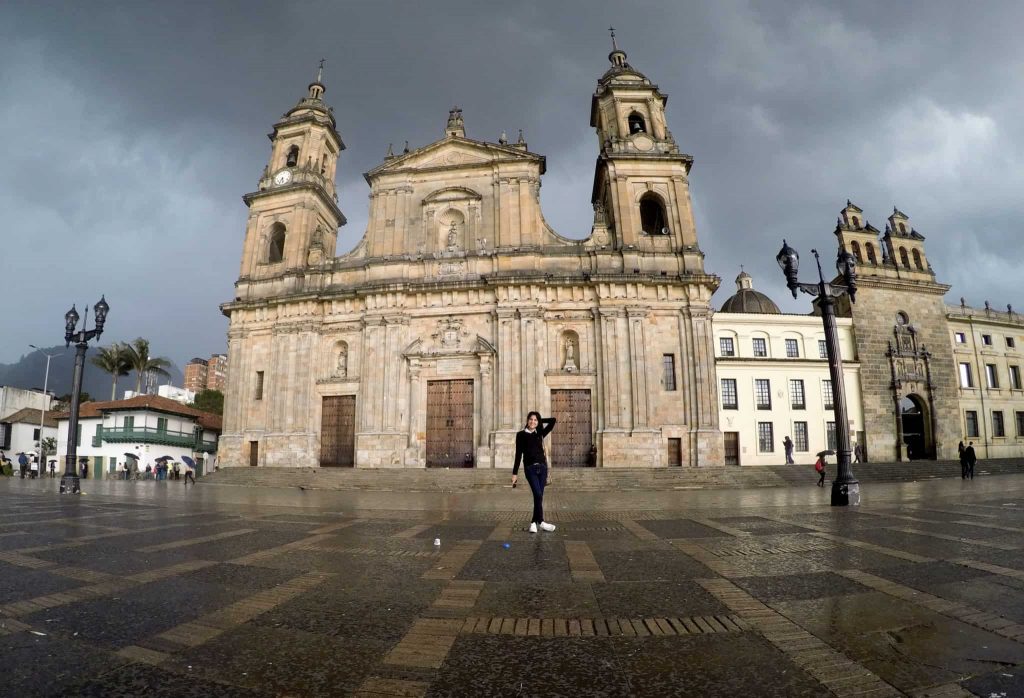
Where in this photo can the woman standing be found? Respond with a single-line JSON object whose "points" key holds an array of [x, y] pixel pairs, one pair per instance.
{"points": [[530, 450]]}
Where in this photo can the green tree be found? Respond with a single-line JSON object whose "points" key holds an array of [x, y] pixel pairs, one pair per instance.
{"points": [[65, 399], [115, 361], [209, 401], [142, 363], [49, 446]]}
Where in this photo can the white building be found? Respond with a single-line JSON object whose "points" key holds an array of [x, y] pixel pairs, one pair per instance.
{"points": [[20, 431], [774, 381], [14, 399], [148, 426]]}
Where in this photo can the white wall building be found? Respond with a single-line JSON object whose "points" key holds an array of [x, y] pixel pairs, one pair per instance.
{"points": [[14, 399], [20, 431], [773, 380], [148, 426]]}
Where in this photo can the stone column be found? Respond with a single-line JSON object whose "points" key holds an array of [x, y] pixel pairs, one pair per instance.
{"points": [[529, 380], [507, 376], [638, 366], [372, 389], [613, 383], [486, 400]]}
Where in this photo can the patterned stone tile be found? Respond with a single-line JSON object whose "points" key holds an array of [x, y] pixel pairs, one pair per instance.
{"points": [[791, 587], [655, 600], [648, 565]]}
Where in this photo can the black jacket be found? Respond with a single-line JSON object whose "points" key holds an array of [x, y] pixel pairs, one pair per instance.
{"points": [[530, 447]]}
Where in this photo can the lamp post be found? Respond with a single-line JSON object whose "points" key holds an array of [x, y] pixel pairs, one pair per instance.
{"points": [[845, 488], [42, 414], [69, 483]]}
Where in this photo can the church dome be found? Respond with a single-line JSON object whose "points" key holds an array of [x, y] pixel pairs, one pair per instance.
{"points": [[747, 300]]}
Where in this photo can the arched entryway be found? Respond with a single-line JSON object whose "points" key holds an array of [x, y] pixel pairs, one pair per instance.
{"points": [[917, 436]]}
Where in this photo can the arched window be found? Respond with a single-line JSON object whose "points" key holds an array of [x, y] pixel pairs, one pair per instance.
{"points": [[917, 260], [855, 248], [652, 215], [293, 156], [903, 228], [856, 221], [904, 259], [323, 165], [637, 123], [871, 253], [275, 252]]}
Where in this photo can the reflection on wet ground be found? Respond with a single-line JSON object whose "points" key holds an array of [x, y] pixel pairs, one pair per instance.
{"points": [[148, 589]]}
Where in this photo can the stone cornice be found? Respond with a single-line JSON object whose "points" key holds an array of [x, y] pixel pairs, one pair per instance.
{"points": [[326, 199]]}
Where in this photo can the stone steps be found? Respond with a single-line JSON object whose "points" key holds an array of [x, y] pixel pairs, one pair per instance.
{"points": [[592, 479]]}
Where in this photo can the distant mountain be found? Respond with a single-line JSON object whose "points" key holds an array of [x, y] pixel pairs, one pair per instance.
{"points": [[30, 370]]}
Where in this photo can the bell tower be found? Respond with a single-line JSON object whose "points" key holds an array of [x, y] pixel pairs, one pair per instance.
{"points": [[293, 215], [641, 181]]}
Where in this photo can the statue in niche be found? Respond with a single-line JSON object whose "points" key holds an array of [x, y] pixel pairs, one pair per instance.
{"points": [[453, 236], [599, 218], [342, 367], [570, 354]]}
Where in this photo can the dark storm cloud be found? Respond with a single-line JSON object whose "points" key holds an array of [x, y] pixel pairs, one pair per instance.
{"points": [[132, 129]]}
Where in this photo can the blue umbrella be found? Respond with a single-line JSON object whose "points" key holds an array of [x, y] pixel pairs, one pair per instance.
{"points": [[165, 458], [188, 461]]}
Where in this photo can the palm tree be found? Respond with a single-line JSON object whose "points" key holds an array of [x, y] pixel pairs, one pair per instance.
{"points": [[113, 360], [142, 363]]}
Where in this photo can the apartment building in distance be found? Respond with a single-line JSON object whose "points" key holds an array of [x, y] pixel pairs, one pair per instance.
{"points": [[207, 374]]}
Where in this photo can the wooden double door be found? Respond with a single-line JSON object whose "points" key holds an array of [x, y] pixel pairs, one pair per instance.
{"points": [[573, 436], [450, 423], [338, 431]]}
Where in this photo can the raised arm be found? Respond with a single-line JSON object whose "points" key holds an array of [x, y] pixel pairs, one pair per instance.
{"points": [[546, 425]]}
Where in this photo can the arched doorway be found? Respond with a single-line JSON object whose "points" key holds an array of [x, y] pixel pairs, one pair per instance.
{"points": [[917, 436]]}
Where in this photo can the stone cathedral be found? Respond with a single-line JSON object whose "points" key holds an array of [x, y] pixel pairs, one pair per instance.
{"points": [[460, 309]]}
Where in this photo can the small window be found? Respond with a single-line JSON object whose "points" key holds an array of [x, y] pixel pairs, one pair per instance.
{"points": [[652, 215], [986, 339], [871, 253], [637, 124], [971, 423], [35, 434], [856, 221], [830, 435], [1015, 378], [903, 228], [800, 437], [822, 349], [293, 156], [323, 165], [729, 399], [259, 385], [1011, 343], [765, 437], [760, 347], [917, 260], [763, 393], [792, 349], [966, 379], [855, 249], [826, 394], [797, 400], [1020, 423], [668, 362], [998, 427], [726, 346], [991, 375], [960, 338], [904, 258]]}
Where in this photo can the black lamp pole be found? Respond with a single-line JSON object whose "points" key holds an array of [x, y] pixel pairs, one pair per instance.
{"points": [[69, 483], [845, 488]]}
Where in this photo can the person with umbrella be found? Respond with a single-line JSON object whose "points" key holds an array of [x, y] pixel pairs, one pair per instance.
{"points": [[190, 466], [130, 458], [819, 466]]}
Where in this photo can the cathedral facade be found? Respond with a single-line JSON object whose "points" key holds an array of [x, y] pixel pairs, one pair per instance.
{"points": [[460, 309]]}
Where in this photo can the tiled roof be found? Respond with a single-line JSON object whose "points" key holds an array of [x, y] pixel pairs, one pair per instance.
{"points": [[207, 420], [30, 415]]}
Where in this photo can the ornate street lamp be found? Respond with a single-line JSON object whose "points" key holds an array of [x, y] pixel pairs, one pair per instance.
{"points": [[845, 488], [69, 483]]}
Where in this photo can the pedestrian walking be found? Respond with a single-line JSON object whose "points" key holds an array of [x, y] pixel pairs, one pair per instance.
{"points": [[530, 450], [787, 444], [972, 459], [189, 474], [53, 469], [23, 465], [819, 466], [856, 452], [962, 451], [84, 468]]}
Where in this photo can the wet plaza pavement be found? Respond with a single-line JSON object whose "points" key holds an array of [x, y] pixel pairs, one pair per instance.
{"points": [[149, 589]]}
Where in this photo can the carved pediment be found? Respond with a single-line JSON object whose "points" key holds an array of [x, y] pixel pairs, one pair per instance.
{"points": [[451, 194], [453, 152]]}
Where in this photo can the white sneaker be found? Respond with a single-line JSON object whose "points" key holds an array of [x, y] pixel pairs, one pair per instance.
{"points": [[547, 526], [533, 527]]}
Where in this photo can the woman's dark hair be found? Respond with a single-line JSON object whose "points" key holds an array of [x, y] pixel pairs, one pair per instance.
{"points": [[532, 414]]}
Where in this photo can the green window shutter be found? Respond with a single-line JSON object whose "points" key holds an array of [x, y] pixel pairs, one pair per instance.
{"points": [[129, 423], [161, 424]]}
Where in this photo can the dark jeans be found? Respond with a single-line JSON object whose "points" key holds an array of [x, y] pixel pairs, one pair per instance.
{"points": [[537, 476], [821, 478], [189, 476]]}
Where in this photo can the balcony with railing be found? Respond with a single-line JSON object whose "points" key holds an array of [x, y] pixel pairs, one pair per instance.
{"points": [[152, 435]]}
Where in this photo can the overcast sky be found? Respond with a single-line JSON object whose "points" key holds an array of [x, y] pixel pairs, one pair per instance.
{"points": [[132, 129]]}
